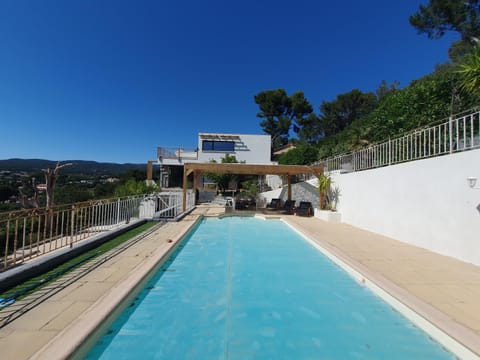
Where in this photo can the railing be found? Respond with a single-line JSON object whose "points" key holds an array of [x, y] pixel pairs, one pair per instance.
{"points": [[178, 153], [171, 203], [28, 234], [457, 134], [167, 204]]}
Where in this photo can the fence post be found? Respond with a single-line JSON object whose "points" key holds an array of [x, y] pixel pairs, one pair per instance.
{"points": [[118, 211], [5, 261], [450, 129], [389, 151], [72, 226]]}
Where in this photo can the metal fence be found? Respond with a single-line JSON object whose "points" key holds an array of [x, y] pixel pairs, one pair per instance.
{"points": [[166, 205], [456, 134], [28, 234]]}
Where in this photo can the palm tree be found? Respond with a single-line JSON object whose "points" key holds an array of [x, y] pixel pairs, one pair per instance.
{"points": [[469, 69], [324, 183]]}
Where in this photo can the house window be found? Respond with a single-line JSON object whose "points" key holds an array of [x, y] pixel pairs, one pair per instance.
{"points": [[223, 146]]}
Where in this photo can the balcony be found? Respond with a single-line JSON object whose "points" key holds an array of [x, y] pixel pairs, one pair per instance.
{"points": [[176, 155]]}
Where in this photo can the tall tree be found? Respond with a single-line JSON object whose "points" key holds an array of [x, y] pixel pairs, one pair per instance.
{"points": [[280, 111], [336, 115], [439, 16], [275, 108], [310, 129], [384, 89], [301, 110]]}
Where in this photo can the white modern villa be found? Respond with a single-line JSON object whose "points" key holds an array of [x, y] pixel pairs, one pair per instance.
{"points": [[247, 148]]}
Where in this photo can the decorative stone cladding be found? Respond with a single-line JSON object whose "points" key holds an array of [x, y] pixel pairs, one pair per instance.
{"points": [[302, 191]]}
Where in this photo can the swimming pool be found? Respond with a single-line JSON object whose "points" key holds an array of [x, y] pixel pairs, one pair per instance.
{"points": [[246, 288]]}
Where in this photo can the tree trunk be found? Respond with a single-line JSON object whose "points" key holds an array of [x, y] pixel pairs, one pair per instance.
{"points": [[322, 200], [51, 176]]}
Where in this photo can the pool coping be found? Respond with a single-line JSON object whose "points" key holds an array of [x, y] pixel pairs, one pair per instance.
{"points": [[71, 338], [457, 338]]}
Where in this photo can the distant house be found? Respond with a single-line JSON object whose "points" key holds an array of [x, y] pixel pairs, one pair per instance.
{"points": [[283, 149], [248, 148], [112, 180]]}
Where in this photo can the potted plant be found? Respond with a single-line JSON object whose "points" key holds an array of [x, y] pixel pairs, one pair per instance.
{"points": [[327, 208], [324, 183]]}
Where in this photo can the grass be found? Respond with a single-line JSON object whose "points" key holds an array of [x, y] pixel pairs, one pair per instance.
{"points": [[44, 279]]}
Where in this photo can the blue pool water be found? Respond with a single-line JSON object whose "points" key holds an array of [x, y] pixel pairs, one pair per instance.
{"points": [[246, 288]]}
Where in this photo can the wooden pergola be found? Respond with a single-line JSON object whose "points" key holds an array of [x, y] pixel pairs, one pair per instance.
{"points": [[245, 169]]}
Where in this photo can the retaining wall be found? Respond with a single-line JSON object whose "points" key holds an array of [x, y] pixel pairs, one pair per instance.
{"points": [[427, 203]]}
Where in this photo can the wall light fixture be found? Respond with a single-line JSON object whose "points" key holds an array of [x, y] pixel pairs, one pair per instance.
{"points": [[472, 181]]}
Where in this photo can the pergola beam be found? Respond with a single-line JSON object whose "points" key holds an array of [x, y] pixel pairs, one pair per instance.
{"points": [[252, 169]]}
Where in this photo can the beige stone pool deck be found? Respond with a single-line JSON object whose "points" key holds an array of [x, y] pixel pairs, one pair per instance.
{"points": [[443, 290]]}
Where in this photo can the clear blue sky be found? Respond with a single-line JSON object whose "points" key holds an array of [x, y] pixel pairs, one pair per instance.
{"points": [[112, 80]]}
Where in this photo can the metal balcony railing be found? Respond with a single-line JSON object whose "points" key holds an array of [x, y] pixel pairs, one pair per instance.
{"points": [[459, 133]]}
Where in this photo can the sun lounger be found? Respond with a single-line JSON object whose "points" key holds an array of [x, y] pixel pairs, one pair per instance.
{"points": [[304, 209], [289, 206], [275, 204]]}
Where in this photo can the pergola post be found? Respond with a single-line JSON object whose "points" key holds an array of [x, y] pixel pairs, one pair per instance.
{"points": [[195, 178], [289, 183], [185, 188]]}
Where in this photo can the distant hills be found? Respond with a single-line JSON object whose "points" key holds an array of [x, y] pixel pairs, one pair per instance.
{"points": [[78, 167]]}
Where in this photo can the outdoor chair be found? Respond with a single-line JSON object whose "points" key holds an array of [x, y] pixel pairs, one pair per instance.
{"points": [[305, 208], [275, 204], [289, 206], [241, 204], [245, 203]]}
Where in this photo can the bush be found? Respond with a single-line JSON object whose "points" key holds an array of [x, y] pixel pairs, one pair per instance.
{"points": [[302, 155]]}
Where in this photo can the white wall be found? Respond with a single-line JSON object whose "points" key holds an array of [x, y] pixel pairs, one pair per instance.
{"points": [[274, 181], [253, 149], [426, 203]]}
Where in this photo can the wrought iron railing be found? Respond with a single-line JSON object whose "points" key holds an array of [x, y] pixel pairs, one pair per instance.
{"points": [[27, 234], [456, 134]]}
